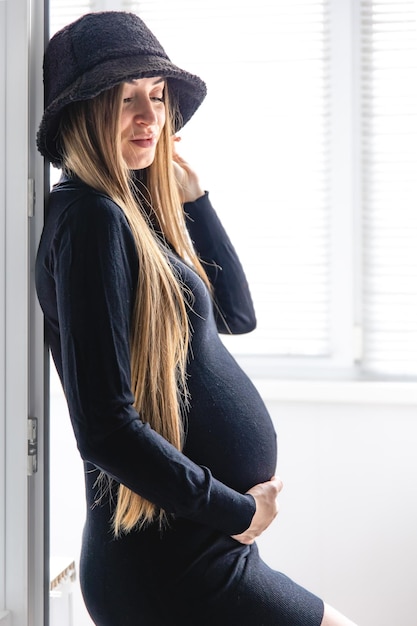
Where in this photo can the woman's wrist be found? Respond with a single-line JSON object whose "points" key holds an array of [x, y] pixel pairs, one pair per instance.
{"points": [[200, 197], [192, 193]]}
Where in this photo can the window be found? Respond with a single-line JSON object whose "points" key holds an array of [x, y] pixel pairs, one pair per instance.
{"points": [[308, 144]]}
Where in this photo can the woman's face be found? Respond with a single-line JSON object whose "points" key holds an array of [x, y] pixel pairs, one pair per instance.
{"points": [[142, 120]]}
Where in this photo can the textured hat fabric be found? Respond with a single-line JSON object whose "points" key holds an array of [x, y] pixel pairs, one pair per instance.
{"points": [[97, 52]]}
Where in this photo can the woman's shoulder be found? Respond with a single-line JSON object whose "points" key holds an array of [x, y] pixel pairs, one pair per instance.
{"points": [[75, 204], [74, 193]]}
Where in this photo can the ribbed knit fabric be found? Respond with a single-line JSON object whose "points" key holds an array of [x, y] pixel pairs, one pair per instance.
{"points": [[265, 597]]}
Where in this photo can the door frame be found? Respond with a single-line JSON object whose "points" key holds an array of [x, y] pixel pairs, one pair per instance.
{"points": [[24, 576]]}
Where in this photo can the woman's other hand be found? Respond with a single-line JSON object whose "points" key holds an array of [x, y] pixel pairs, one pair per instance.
{"points": [[265, 495], [188, 182]]}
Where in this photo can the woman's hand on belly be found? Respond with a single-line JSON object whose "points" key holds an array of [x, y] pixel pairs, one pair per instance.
{"points": [[265, 495]]}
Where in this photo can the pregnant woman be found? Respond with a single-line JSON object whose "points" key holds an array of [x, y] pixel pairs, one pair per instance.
{"points": [[136, 277]]}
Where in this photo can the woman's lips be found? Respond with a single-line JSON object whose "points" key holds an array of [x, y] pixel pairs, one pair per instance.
{"points": [[144, 142]]}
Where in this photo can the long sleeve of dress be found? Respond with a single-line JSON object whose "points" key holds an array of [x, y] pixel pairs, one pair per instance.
{"points": [[86, 280], [234, 309]]}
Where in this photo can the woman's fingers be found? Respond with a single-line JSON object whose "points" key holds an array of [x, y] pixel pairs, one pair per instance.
{"points": [[187, 179], [265, 495]]}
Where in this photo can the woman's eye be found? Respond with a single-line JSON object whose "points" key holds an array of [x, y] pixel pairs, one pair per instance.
{"points": [[154, 98]]}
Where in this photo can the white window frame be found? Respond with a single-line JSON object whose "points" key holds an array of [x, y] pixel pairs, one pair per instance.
{"points": [[339, 378], [345, 362]]}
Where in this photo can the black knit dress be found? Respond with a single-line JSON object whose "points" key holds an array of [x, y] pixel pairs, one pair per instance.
{"points": [[192, 573]]}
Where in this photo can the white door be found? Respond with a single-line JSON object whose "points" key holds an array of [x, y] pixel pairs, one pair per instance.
{"points": [[23, 543]]}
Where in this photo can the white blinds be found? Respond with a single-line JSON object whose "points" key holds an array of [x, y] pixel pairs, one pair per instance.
{"points": [[389, 150]]}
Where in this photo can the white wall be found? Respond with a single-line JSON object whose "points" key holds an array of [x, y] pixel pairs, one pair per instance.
{"points": [[348, 519], [346, 529]]}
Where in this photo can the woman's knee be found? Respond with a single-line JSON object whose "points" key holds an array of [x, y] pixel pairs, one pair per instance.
{"points": [[332, 617]]}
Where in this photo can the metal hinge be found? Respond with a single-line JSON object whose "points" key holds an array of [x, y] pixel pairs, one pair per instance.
{"points": [[31, 197], [32, 445]]}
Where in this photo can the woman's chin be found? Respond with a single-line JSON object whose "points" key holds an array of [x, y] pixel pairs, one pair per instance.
{"points": [[139, 162]]}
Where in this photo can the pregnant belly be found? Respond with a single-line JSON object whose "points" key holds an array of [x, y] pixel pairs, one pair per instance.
{"points": [[229, 429]]}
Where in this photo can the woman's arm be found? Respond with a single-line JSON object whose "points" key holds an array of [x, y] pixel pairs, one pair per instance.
{"points": [[233, 305], [94, 262], [234, 309]]}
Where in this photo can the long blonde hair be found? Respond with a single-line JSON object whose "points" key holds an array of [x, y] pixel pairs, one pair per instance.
{"points": [[90, 135]]}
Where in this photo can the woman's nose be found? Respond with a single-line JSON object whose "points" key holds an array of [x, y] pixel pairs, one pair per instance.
{"points": [[145, 113]]}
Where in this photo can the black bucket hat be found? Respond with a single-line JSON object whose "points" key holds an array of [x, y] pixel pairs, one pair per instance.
{"points": [[97, 52]]}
